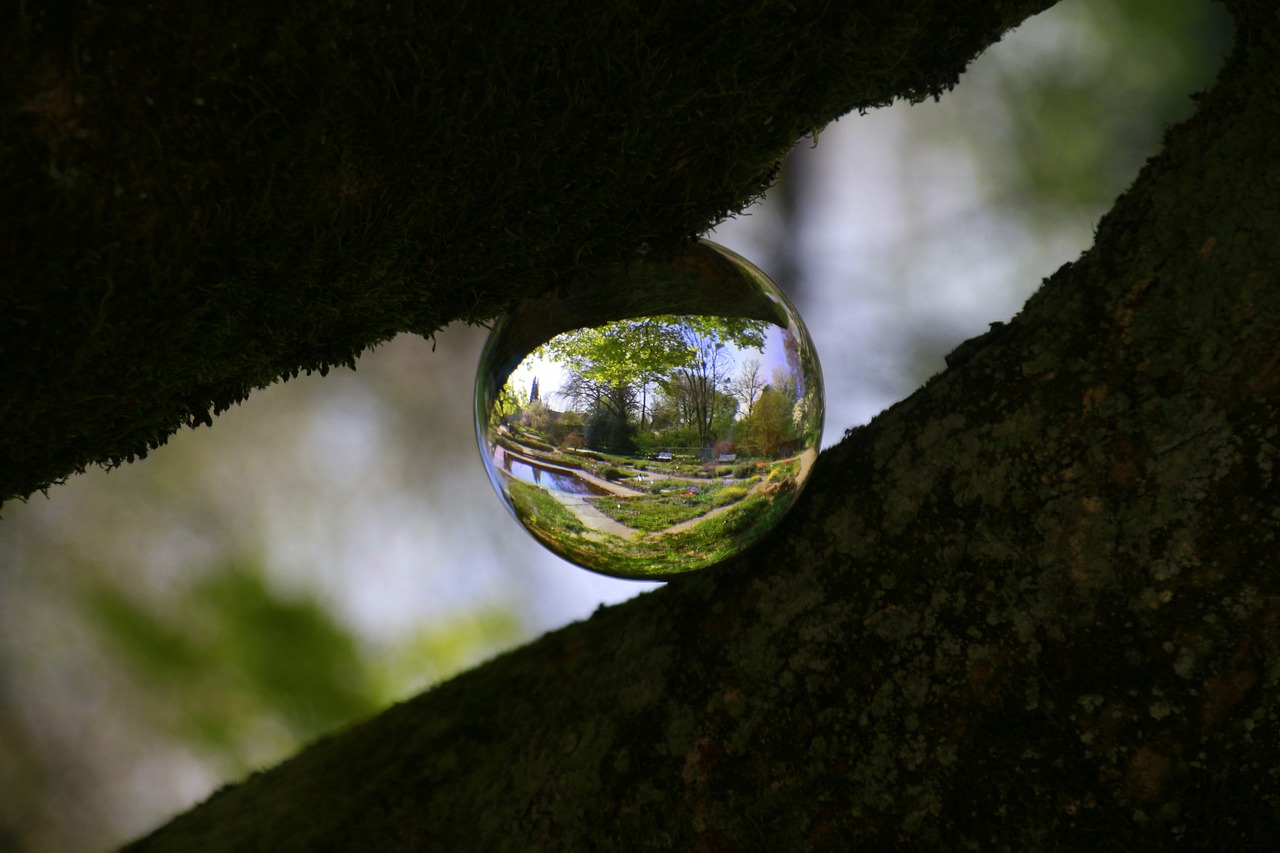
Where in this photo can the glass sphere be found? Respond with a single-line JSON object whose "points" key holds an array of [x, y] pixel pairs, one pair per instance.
{"points": [[654, 420]]}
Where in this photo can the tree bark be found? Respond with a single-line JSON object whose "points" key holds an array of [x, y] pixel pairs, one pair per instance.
{"points": [[201, 198], [1034, 606]]}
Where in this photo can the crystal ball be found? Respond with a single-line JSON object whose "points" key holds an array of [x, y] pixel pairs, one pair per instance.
{"points": [[655, 419]]}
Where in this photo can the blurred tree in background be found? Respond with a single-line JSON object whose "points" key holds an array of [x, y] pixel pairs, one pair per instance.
{"points": [[331, 545]]}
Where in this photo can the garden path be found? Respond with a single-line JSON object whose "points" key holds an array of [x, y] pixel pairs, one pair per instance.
{"points": [[593, 518]]}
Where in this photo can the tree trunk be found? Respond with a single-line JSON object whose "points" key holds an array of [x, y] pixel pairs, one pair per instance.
{"points": [[203, 197], [1033, 606]]}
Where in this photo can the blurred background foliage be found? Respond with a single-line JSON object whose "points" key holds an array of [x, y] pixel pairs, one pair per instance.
{"points": [[217, 645], [1076, 108], [331, 546]]}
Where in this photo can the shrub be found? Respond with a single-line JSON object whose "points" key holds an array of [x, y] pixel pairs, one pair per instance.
{"points": [[529, 441], [744, 469], [783, 470], [729, 495]]}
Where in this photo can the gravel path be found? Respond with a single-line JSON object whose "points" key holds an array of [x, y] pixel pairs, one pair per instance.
{"points": [[593, 518]]}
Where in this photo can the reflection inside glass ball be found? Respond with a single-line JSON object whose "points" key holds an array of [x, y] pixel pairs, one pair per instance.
{"points": [[655, 420]]}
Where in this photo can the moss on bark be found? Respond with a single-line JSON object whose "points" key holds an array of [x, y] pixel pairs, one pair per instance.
{"points": [[201, 198], [1033, 606]]}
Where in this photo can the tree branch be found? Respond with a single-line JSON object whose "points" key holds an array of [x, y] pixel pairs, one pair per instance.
{"points": [[1033, 606], [202, 199]]}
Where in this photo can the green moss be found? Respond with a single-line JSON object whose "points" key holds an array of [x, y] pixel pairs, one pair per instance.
{"points": [[199, 203], [1007, 615]]}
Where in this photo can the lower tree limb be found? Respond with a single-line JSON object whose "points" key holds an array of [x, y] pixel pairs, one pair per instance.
{"points": [[1035, 605]]}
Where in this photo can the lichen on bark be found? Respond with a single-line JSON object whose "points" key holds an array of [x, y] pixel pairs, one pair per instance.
{"points": [[1033, 606]]}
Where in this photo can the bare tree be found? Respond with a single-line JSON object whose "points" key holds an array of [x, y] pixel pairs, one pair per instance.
{"points": [[748, 384]]}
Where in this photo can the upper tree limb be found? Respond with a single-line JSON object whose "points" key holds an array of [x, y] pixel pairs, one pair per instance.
{"points": [[199, 200]]}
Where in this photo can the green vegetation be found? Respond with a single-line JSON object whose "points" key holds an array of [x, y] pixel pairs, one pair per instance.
{"points": [[721, 520], [530, 439], [590, 454], [654, 513], [539, 511], [715, 539], [625, 371], [215, 677], [299, 322], [726, 519], [771, 423], [641, 386], [215, 654], [642, 393], [522, 449], [728, 495], [782, 470]]}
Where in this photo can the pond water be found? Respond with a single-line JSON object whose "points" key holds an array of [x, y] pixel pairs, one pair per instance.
{"points": [[556, 481]]}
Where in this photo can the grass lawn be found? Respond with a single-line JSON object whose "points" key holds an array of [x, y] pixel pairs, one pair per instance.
{"points": [[705, 544], [539, 511], [680, 491], [657, 512]]}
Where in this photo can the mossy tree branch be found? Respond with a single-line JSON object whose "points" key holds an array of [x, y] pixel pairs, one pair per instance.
{"points": [[1035, 606], [201, 198]]}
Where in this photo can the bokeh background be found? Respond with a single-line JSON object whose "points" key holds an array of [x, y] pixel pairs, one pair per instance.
{"points": [[332, 546]]}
